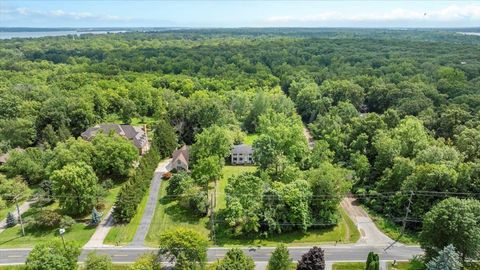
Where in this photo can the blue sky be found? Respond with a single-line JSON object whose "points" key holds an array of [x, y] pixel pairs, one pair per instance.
{"points": [[223, 13]]}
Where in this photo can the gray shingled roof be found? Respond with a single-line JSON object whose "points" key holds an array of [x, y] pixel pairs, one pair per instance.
{"points": [[134, 133], [181, 154], [242, 149]]}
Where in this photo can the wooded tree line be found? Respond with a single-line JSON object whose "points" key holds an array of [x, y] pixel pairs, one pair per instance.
{"points": [[390, 115]]}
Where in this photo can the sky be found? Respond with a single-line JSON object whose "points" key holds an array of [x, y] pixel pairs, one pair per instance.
{"points": [[247, 13]]}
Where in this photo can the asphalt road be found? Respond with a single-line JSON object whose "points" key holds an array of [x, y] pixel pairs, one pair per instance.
{"points": [[147, 217], [332, 253]]}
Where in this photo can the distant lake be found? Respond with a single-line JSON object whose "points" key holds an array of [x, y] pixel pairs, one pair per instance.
{"points": [[469, 33], [37, 34]]}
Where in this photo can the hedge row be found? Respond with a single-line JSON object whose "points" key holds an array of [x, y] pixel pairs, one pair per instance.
{"points": [[135, 188]]}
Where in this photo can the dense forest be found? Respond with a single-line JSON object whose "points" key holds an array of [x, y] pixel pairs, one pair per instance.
{"points": [[395, 115]]}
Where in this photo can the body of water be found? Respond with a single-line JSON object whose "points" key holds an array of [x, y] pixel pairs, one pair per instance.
{"points": [[37, 34]]}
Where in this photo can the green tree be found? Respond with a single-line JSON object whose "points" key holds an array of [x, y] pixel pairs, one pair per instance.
{"points": [[447, 259], [468, 142], [287, 206], [452, 221], [235, 259], [165, 139], [96, 217], [76, 187], [114, 156], [212, 141], [330, 183], [242, 213], [280, 259], [207, 170], [29, 164], [314, 259], [53, 256], [19, 132], [146, 262], [98, 262], [184, 241], [373, 262]]}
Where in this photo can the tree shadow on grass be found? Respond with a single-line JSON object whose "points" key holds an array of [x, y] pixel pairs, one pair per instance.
{"points": [[178, 213]]}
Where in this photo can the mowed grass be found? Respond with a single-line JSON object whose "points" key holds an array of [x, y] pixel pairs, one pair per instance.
{"points": [[80, 232], [122, 234], [169, 215], [348, 266], [391, 229], [398, 266]]}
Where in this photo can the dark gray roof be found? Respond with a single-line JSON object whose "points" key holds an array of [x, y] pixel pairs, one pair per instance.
{"points": [[135, 133], [242, 149]]}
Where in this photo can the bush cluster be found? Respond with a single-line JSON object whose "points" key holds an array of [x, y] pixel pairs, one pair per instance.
{"points": [[134, 189]]}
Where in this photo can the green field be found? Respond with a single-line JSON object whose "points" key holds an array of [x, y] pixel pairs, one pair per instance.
{"points": [[348, 266], [80, 232], [169, 215], [123, 234]]}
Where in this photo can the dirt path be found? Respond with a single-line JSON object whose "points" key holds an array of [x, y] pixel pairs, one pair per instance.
{"points": [[370, 234]]}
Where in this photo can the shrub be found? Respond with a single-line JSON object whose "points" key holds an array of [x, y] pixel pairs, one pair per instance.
{"points": [[280, 259], [47, 219], [3, 204], [98, 262], [96, 217], [107, 184], [236, 259], [135, 188], [314, 259], [11, 220], [373, 262], [67, 222], [167, 175], [146, 262]]}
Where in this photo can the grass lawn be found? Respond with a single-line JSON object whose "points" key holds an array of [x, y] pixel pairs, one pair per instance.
{"points": [[227, 172], [250, 138], [391, 229], [398, 266], [123, 234], [348, 266], [80, 231], [4, 212], [169, 214]]}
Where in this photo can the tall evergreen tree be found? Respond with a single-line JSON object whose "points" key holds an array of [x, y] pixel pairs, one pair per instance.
{"points": [[11, 220], [280, 259], [373, 262], [447, 259]]}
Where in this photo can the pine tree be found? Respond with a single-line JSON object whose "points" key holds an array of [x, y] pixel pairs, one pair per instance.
{"points": [[96, 217], [314, 259], [447, 259], [373, 262], [280, 259], [11, 220]]}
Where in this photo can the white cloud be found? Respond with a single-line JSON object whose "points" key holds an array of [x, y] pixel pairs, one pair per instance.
{"points": [[58, 13], [450, 13]]}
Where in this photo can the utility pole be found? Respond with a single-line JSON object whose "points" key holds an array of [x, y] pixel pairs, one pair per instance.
{"points": [[404, 222], [19, 215]]}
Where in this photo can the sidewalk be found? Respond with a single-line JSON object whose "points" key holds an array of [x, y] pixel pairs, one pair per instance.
{"points": [[23, 208], [96, 241]]}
